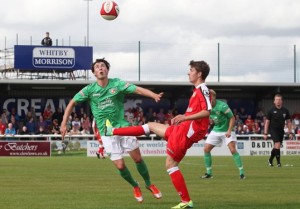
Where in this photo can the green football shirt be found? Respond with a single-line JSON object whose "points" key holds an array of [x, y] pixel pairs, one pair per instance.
{"points": [[107, 102], [221, 114]]}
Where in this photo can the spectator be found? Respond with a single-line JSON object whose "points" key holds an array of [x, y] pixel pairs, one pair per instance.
{"points": [[86, 124], [256, 128], [296, 114], [58, 114], [10, 131], [75, 131], [161, 116], [2, 128], [149, 113], [31, 126], [296, 121], [48, 115], [240, 130], [47, 41], [24, 131], [42, 123], [238, 121], [55, 129], [76, 123], [153, 118], [243, 115], [235, 112], [14, 113], [14, 123], [33, 113], [81, 113], [4, 117], [246, 130], [169, 116], [28, 117], [129, 115], [260, 115], [249, 122], [41, 131]]}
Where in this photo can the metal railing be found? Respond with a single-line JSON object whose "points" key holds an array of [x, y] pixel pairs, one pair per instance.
{"points": [[50, 137]]}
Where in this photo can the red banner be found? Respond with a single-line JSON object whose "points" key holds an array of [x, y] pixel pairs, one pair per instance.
{"points": [[24, 149]]}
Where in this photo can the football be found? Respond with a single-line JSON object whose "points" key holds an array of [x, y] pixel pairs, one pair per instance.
{"points": [[109, 10]]}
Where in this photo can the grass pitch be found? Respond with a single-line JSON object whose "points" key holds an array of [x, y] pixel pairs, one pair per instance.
{"points": [[79, 182]]}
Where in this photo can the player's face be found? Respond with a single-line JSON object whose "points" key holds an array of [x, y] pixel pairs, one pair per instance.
{"points": [[278, 101], [100, 71], [194, 75]]}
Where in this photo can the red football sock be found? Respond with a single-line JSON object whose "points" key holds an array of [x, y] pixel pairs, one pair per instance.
{"points": [[180, 186], [129, 131]]}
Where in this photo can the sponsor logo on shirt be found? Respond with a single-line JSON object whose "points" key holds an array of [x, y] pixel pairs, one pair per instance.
{"points": [[107, 103], [96, 95], [206, 92]]}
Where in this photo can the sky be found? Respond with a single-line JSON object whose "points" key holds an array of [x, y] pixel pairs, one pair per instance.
{"points": [[256, 38]]}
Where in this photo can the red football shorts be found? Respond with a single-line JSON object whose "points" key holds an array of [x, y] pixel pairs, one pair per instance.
{"points": [[179, 142]]}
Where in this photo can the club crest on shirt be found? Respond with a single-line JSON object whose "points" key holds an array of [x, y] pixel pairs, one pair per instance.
{"points": [[284, 115], [113, 90]]}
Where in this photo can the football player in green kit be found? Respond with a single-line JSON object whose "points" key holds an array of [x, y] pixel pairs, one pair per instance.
{"points": [[223, 119], [106, 99]]}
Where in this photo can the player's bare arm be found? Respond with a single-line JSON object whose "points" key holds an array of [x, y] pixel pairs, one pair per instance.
{"points": [[68, 111], [230, 128], [266, 129], [148, 93], [180, 118]]}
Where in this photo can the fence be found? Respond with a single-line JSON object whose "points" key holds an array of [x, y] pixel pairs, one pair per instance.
{"points": [[152, 137]]}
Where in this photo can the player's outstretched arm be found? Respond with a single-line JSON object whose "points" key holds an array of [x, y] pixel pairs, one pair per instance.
{"points": [[68, 111], [148, 93]]}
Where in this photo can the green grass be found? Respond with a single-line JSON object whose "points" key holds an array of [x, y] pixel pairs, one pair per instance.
{"points": [[79, 182]]}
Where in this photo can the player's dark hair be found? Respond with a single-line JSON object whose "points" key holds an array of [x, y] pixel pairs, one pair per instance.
{"points": [[278, 95], [201, 66], [100, 60]]}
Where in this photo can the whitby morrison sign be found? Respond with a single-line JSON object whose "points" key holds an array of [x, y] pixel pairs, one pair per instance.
{"points": [[53, 58]]}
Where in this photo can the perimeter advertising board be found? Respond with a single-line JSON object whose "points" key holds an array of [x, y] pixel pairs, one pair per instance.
{"points": [[25, 149], [244, 147]]}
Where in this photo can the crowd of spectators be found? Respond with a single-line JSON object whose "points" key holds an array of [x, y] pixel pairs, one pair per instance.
{"points": [[80, 122], [47, 123]]}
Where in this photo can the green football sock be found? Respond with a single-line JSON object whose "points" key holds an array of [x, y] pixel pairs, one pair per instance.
{"points": [[238, 162], [143, 170], [125, 173], [208, 163]]}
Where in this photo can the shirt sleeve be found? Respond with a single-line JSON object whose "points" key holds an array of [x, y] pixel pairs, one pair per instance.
{"points": [[82, 95], [127, 88]]}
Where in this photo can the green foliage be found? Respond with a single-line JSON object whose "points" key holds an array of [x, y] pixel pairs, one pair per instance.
{"points": [[74, 181]]}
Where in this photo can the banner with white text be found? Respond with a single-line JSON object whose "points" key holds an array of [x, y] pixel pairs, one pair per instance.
{"points": [[54, 57]]}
